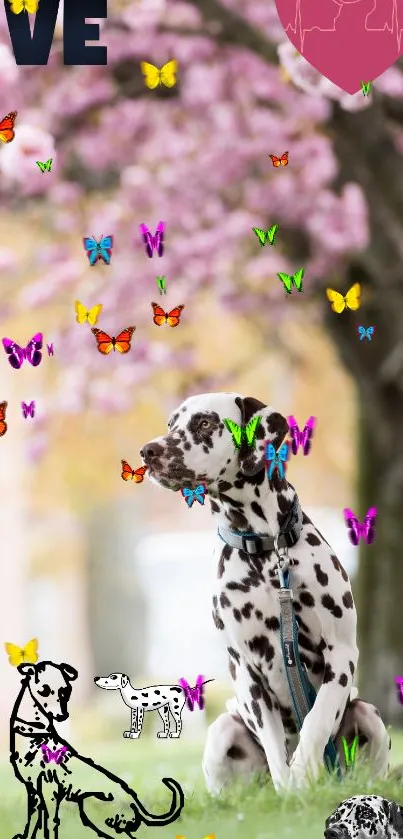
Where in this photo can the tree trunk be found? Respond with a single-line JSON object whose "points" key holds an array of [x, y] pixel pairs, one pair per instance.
{"points": [[364, 146]]}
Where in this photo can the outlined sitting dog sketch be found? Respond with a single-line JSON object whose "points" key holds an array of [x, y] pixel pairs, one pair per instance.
{"points": [[366, 817], [47, 765], [161, 698], [259, 521]]}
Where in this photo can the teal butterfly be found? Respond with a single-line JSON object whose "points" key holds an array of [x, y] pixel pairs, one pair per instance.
{"points": [[266, 235], [289, 279], [161, 283], [349, 751], [240, 432], [45, 167], [365, 87], [276, 460]]}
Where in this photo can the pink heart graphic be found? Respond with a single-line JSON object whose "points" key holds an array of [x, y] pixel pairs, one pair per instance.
{"points": [[348, 41]]}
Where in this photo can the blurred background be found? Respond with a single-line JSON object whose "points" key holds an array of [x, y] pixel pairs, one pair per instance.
{"points": [[113, 576]]}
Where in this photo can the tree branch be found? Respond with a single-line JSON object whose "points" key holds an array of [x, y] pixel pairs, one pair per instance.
{"points": [[229, 27]]}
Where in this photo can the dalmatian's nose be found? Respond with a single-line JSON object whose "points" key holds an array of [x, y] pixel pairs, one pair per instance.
{"points": [[149, 451], [335, 833]]}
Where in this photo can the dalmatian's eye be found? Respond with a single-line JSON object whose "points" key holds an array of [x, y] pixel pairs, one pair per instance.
{"points": [[205, 424], [45, 691]]}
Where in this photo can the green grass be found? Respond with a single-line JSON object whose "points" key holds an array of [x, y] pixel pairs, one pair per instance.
{"points": [[253, 812]]}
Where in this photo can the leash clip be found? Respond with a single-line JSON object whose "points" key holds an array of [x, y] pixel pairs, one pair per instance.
{"points": [[283, 562]]}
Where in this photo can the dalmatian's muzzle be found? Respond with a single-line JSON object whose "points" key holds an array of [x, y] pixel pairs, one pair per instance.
{"points": [[365, 817]]}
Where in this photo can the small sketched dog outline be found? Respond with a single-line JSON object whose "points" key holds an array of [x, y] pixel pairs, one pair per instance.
{"points": [[161, 698], [43, 699]]}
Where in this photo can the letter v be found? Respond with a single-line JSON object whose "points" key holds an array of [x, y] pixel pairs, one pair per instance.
{"points": [[32, 49]]}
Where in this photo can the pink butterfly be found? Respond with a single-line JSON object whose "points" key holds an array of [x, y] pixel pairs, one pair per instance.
{"points": [[32, 352], [49, 755], [28, 410], [194, 694], [356, 530], [156, 242], [50, 349], [301, 438]]}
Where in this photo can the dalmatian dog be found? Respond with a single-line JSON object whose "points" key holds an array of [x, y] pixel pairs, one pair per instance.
{"points": [[365, 817], [161, 698], [258, 730]]}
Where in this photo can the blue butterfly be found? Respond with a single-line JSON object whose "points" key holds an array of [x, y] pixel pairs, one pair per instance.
{"points": [[98, 250], [275, 460], [191, 495], [366, 333]]}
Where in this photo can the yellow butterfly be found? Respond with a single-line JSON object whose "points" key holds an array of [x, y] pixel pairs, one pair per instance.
{"points": [[154, 76], [209, 836], [350, 301], [91, 315], [22, 655], [18, 6]]}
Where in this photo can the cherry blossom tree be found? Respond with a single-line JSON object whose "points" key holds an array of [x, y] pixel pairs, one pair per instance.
{"points": [[196, 156]]}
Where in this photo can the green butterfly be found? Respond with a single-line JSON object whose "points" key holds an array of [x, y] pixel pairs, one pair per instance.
{"points": [[266, 235], [349, 751], [365, 87], [296, 278], [161, 283], [45, 167], [240, 431]]}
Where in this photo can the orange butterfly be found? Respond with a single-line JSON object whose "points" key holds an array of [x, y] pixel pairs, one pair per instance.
{"points": [[136, 475], [172, 317], [7, 127], [3, 424], [121, 343], [280, 161]]}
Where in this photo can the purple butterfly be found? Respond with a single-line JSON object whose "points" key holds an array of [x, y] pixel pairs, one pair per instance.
{"points": [[356, 530], [399, 681], [153, 243], [194, 694], [28, 410], [301, 438], [32, 352], [50, 349], [49, 755]]}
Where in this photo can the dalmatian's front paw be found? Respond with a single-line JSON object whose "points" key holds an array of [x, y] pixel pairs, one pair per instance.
{"points": [[304, 767], [298, 777], [162, 734], [174, 734], [134, 735]]}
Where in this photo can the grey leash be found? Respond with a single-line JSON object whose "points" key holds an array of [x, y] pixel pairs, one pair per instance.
{"points": [[302, 692]]}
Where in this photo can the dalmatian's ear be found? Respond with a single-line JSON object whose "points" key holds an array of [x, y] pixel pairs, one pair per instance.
{"points": [[69, 673], [124, 680], [27, 670], [396, 817], [273, 426]]}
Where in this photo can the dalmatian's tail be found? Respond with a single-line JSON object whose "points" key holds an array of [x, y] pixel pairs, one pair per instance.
{"points": [[178, 803]]}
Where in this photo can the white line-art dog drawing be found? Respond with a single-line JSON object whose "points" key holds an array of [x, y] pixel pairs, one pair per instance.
{"points": [[161, 698], [50, 768]]}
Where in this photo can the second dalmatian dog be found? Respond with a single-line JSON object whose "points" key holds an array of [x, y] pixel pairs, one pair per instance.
{"points": [[258, 731], [161, 698], [366, 817]]}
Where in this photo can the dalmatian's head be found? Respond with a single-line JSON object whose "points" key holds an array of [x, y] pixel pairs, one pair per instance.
{"points": [[49, 686], [365, 817], [114, 681], [198, 447]]}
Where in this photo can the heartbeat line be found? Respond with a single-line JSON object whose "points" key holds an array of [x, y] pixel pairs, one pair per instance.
{"points": [[325, 18]]}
